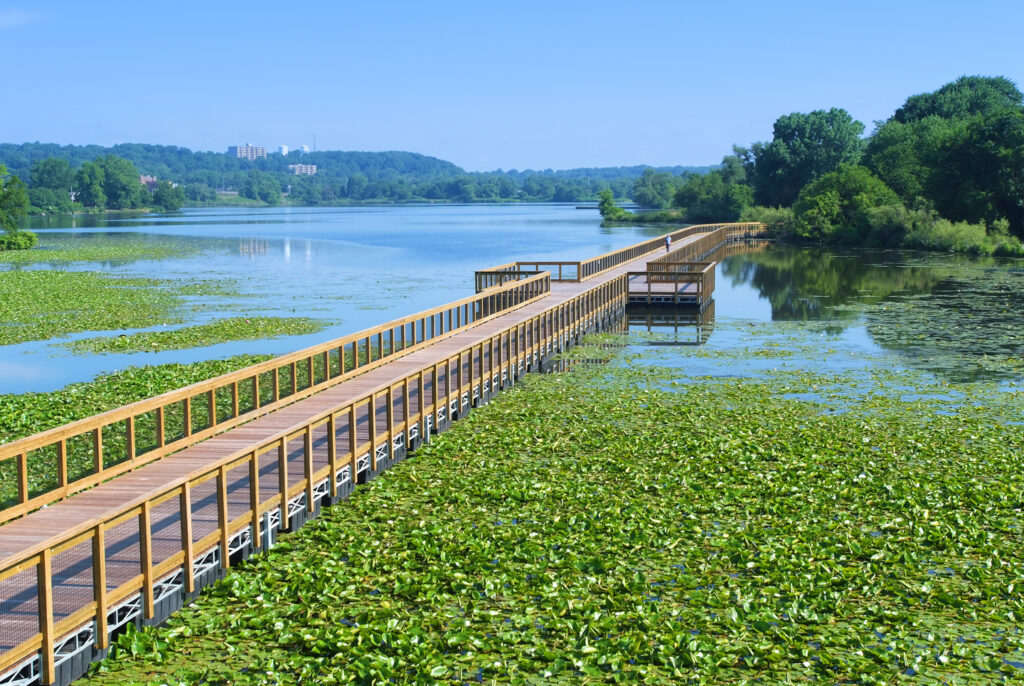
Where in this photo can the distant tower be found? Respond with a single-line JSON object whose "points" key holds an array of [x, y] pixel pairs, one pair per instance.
{"points": [[283, 149]]}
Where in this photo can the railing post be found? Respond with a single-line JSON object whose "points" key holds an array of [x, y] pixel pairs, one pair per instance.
{"points": [[372, 418], [307, 457], [332, 456], [282, 479], [146, 555], [23, 477], [44, 592], [389, 416], [99, 585], [186, 536]]}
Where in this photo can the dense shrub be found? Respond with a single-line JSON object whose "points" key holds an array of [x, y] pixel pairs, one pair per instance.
{"points": [[17, 240], [779, 220], [834, 208]]}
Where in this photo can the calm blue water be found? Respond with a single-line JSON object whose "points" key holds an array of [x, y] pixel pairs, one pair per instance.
{"points": [[356, 267], [782, 307]]}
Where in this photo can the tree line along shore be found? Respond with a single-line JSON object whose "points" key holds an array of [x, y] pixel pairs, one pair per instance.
{"points": [[944, 172]]}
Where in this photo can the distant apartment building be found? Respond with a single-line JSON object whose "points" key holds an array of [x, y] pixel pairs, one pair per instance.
{"points": [[304, 149], [302, 169], [247, 151], [283, 149]]}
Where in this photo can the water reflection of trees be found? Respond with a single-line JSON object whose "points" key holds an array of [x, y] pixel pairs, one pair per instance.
{"points": [[803, 284], [968, 328], [956, 317]]}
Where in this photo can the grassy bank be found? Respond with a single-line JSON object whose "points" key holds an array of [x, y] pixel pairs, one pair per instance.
{"points": [[620, 525]]}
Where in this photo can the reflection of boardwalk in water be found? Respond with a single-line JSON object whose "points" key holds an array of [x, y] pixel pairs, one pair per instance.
{"points": [[687, 327], [158, 499]]}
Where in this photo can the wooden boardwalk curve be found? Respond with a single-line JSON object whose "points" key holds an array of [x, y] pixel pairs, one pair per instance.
{"points": [[148, 504]]}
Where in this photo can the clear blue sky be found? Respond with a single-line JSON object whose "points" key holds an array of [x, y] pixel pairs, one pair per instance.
{"points": [[484, 84]]}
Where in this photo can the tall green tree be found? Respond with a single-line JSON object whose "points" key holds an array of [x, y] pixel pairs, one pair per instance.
{"points": [[655, 189], [957, 149], [979, 176], [609, 210], [711, 198], [89, 186], [261, 186], [13, 208], [168, 197], [121, 183], [52, 172], [968, 96], [804, 147]]}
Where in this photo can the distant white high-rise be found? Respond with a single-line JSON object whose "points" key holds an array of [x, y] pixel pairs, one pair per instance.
{"points": [[283, 149], [304, 148], [247, 151]]}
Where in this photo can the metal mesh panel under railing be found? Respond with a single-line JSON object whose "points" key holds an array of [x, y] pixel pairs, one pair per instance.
{"points": [[123, 556], [165, 530], [238, 491], [320, 454], [72, 580], [204, 509], [19, 607]]}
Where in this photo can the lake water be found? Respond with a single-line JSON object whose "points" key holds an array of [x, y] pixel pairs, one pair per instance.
{"points": [[356, 267], [954, 317]]}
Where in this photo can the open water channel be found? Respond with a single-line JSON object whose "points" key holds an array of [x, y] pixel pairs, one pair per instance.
{"points": [[957, 318]]}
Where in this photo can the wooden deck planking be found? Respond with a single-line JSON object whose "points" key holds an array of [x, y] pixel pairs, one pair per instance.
{"points": [[73, 576]]}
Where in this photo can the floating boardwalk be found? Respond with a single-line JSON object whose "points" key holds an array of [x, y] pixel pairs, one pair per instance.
{"points": [[124, 517]]}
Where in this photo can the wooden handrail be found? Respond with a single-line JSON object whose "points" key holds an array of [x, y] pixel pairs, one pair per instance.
{"points": [[476, 366], [353, 353]]}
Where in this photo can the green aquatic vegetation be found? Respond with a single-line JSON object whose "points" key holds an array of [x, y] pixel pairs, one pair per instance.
{"points": [[61, 248], [616, 525], [220, 331], [43, 304], [40, 304]]}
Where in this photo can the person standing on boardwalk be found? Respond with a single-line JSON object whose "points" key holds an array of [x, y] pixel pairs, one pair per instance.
{"points": [[668, 243]]}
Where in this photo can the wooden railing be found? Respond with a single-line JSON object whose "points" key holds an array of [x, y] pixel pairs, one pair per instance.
{"points": [[702, 274], [492, 278], [68, 586], [588, 269], [560, 271], [256, 488], [51, 465]]}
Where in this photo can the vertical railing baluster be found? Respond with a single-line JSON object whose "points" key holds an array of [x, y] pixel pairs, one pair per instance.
{"points": [[99, 585], [353, 441], [307, 464], [44, 593], [282, 479], [185, 505], [23, 477], [254, 500], [146, 559], [332, 456]]}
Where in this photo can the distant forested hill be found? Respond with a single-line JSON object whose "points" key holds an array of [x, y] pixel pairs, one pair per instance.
{"points": [[341, 176], [607, 173]]}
